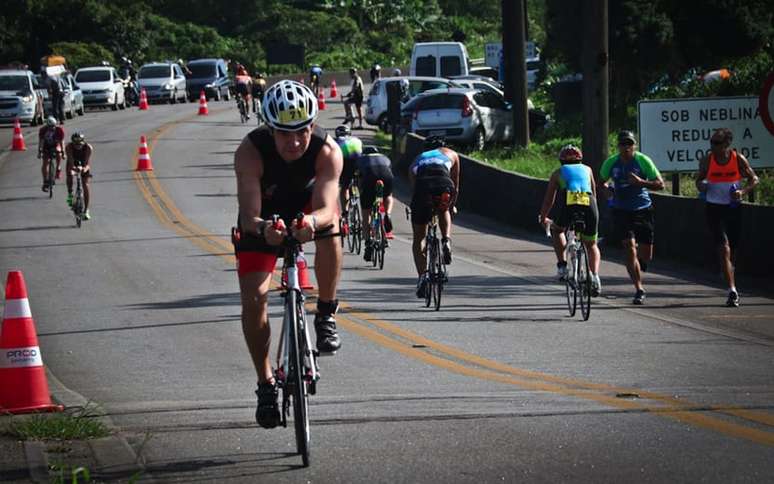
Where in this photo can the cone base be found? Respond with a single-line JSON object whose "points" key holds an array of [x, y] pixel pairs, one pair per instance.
{"points": [[49, 408]]}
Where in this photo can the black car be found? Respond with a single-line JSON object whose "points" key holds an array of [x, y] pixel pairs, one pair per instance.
{"points": [[210, 75]]}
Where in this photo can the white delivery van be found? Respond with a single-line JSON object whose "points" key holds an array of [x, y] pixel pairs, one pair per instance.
{"points": [[439, 59]]}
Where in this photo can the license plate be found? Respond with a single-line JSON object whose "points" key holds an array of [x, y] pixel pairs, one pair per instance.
{"points": [[6, 115], [437, 132]]}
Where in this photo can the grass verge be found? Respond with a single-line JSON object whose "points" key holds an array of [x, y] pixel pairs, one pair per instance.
{"points": [[81, 424]]}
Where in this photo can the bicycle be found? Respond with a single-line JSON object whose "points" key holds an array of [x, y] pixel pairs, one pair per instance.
{"points": [[377, 238], [242, 107], [578, 280], [79, 204], [51, 153], [352, 224], [436, 272], [297, 369]]}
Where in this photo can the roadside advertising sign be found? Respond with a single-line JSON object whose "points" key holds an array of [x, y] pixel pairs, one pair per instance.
{"points": [[675, 133], [492, 52]]}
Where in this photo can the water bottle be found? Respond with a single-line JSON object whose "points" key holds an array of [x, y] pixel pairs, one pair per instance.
{"points": [[732, 195]]}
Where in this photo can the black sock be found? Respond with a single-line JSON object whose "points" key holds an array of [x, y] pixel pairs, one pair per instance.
{"points": [[327, 308]]}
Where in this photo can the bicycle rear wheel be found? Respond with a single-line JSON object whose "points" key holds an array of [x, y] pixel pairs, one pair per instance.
{"points": [[569, 282], [584, 283], [296, 379], [356, 227], [432, 254], [382, 242], [437, 276], [51, 178]]}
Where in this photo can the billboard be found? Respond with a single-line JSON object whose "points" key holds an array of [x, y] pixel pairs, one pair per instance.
{"points": [[675, 133]]}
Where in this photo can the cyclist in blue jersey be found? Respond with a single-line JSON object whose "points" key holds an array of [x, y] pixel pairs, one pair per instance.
{"points": [[315, 76], [574, 182], [434, 172], [374, 166], [351, 149], [633, 174]]}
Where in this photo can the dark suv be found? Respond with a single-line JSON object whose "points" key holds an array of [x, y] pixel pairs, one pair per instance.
{"points": [[210, 75]]}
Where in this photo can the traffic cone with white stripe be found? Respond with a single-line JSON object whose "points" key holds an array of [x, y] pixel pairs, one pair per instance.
{"points": [[203, 110], [303, 273], [23, 384], [18, 138], [143, 100], [321, 101], [143, 157]]}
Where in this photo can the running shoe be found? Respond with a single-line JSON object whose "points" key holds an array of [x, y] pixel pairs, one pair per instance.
{"points": [[422, 286], [70, 200], [733, 299], [267, 413], [639, 297], [327, 338], [446, 251], [596, 285], [87, 215]]}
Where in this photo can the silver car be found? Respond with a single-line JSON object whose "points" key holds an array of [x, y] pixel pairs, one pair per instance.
{"points": [[376, 104], [463, 116], [163, 81]]}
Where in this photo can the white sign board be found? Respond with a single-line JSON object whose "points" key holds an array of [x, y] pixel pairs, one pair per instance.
{"points": [[493, 50], [675, 133]]}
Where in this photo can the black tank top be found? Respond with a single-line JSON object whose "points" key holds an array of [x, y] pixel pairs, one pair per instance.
{"points": [[286, 186], [79, 155]]}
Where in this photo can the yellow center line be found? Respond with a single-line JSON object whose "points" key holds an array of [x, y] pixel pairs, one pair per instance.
{"points": [[358, 322]]}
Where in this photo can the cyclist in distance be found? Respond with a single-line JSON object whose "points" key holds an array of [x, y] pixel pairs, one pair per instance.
{"points": [[374, 166], [259, 88], [376, 72], [351, 149], [574, 183], [434, 172], [79, 155], [315, 76], [286, 166], [50, 138], [244, 86]]}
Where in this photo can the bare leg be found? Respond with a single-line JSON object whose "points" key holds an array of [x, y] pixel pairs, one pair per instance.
{"points": [[327, 267], [417, 247], [86, 192], [560, 243], [724, 251], [632, 264], [594, 255], [254, 290], [444, 221]]}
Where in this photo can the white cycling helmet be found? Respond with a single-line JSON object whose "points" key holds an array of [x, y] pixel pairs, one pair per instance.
{"points": [[289, 106], [51, 121]]}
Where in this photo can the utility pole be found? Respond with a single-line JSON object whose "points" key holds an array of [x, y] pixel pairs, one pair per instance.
{"points": [[595, 84], [514, 55]]}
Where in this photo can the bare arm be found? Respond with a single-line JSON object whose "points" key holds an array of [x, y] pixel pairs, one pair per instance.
{"points": [[702, 174], [249, 169], [550, 196], [455, 175], [746, 171]]}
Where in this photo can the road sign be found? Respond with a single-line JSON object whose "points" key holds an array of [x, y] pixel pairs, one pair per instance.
{"points": [[766, 103], [493, 50], [675, 133]]}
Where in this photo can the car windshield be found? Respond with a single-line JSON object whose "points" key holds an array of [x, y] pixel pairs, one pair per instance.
{"points": [[441, 101], [14, 83], [93, 76], [154, 72], [199, 71]]}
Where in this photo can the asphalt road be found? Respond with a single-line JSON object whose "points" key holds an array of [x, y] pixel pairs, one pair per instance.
{"points": [[138, 312]]}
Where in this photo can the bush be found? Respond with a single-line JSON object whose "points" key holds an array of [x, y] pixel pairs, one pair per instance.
{"points": [[82, 54]]}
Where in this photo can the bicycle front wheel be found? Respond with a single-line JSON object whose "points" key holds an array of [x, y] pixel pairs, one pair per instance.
{"points": [[569, 282], [584, 283], [382, 242], [51, 178], [437, 276], [296, 378]]}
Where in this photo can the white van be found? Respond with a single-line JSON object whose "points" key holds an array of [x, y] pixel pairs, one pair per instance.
{"points": [[439, 59]]}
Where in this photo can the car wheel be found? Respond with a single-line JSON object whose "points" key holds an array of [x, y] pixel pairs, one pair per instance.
{"points": [[173, 99], [80, 111], [227, 97], [122, 106], [184, 99], [479, 139], [69, 114], [384, 123]]}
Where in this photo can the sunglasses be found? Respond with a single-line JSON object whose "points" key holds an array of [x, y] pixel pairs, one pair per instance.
{"points": [[626, 143], [715, 142]]}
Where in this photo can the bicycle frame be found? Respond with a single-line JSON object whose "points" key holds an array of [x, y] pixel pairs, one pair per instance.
{"points": [[436, 269], [578, 274], [78, 203], [376, 232]]}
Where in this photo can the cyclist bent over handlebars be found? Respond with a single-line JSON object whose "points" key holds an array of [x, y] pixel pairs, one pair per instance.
{"points": [[286, 166]]}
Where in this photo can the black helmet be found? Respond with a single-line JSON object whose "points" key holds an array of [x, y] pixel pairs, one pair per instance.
{"points": [[78, 137], [370, 150], [343, 131], [433, 142], [352, 70]]}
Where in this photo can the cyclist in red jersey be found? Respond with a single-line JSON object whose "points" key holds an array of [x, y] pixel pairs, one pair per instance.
{"points": [[50, 139]]}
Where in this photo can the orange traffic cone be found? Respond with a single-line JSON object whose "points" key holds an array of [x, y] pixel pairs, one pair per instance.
{"points": [[143, 100], [143, 158], [23, 384], [321, 101], [203, 111], [334, 92], [303, 274], [18, 138]]}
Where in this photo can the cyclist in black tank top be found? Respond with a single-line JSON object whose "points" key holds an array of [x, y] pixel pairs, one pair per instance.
{"points": [[285, 167]]}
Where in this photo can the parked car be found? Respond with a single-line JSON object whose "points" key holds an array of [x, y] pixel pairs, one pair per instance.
{"points": [[101, 87], [163, 81], [19, 97], [463, 116], [376, 105], [211, 76]]}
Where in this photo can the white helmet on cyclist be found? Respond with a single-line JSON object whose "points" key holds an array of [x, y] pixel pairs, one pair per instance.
{"points": [[289, 106], [50, 121]]}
